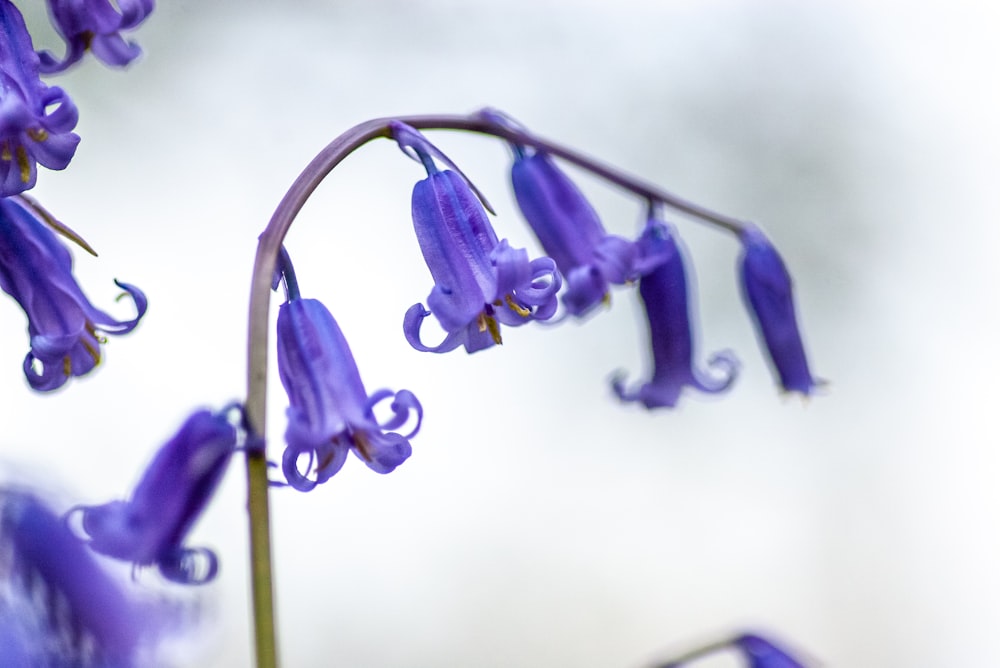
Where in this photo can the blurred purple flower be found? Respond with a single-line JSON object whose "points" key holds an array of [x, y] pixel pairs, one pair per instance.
{"points": [[762, 653], [479, 281], [150, 528], [64, 327], [36, 121], [570, 231], [95, 25], [664, 291], [69, 611], [329, 411], [767, 289]]}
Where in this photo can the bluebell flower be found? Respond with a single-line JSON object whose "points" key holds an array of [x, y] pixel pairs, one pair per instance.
{"points": [[664, 291], [570, 231], [767, 289], [150, 528], [70, 611], [329, 412], [95, 25], [762, 653], [479, 280], [65, 329], [36, 121]]}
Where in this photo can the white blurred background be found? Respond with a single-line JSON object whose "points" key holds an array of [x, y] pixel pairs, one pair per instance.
{"points": [[540, 522]]}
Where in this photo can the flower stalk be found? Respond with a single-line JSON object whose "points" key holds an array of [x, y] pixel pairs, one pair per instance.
{"points": [[268, 249]]}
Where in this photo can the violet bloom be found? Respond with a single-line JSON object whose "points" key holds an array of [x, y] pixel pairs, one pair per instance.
{"points": [[664, 293], [767, 289], [36, 121], [479, 281], [95, 25], [570, 231], [762, 653], [71, 611], [151, 526], [37, 270], [329, 411]]}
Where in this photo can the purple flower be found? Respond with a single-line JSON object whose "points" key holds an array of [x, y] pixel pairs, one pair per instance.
{"points": [[95, 25], [767, 288], [664, 293], [329, 411], [479, 281], [36, 121], [70, 611], [36, 270], [570, 232], [150, 528], [761, 653]]}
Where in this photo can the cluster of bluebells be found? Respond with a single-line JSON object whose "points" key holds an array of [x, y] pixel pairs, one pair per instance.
{"points": [[36, 128]]}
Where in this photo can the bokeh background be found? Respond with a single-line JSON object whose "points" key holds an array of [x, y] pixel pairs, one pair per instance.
{"points": [[539, 521]]}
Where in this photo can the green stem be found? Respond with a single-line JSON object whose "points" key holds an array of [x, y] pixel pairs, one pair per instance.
{"points": [[268, 249]]}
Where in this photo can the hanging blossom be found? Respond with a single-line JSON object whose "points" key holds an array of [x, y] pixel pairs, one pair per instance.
{"points": [[568, 227], [759, 652], [61, 608], [65, 329], [664, 291], [767, 289], [95, 25], [150, 528], [479, 280], [329, 412], [36, 121]]}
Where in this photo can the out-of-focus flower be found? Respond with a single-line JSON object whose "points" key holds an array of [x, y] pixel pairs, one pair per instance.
{"points": [[479, 281], [36, 270], [95, 25], [570, 231], [69, 611], [758, 652], [767, 288], [329, 411], [151, 526], [664, 293], [762, 653], [36, 121]]}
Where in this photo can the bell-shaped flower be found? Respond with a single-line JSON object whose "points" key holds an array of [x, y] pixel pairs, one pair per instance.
{"points": [[71, 612], [36, 121], [767, 289], [150, 528], [65, 329], [479, 280], [95, 25], [329, 412], [664, 293], [590, 259]]}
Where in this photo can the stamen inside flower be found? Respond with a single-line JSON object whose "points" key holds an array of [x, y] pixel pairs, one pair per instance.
{"points": [[24, 164], [364, 448], [517, 308], [38, 134], [5, 153], [489, 323]]}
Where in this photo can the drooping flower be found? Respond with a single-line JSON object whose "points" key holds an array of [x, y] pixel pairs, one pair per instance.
{"points": [[570, 231], [36, 121], [70, 612], [762, 653], [664, 291], [767, 289], [64, 327], [479, 280], [95, 25], [151, 526], [329, 411], [758, 651]]}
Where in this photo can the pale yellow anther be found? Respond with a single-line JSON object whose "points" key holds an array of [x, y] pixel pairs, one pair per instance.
{"points": [[606, 299], [38, 134], [24, 164], [67, 366], [5, 153], [517, 308]]}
